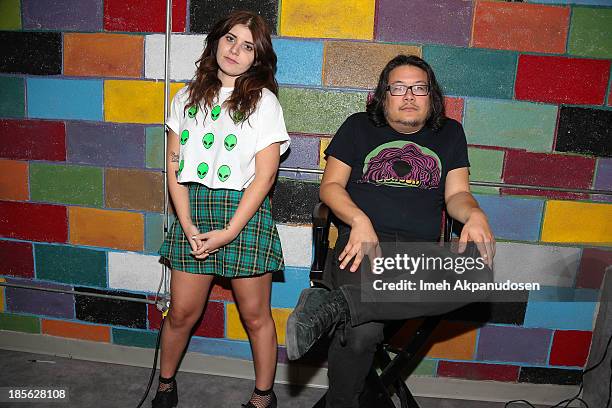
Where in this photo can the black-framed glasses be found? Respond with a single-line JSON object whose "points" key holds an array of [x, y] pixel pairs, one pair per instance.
{"points": [[400, 90]]}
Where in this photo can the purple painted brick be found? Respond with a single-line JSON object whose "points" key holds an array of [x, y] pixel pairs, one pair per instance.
{"points": [[513, 344], [603, 178], [424, 21], [106, 144], [65, 15], [39, 302], [304, 153]]}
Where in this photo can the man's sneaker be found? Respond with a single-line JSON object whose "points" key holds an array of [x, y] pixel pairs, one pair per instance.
{"points": [[318, 311]]}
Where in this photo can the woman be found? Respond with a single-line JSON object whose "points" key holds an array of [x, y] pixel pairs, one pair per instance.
{"points": [[226, 135]]}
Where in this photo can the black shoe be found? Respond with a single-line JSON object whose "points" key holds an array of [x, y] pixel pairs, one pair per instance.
{"points": [[318, 312], [272, 404], [166, 399]]}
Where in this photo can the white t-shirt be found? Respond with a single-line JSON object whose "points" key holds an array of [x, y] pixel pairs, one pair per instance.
{"points": [[216, 151]]}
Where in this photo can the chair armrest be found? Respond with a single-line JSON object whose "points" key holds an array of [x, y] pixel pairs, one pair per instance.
{"points": [[321, 221]]}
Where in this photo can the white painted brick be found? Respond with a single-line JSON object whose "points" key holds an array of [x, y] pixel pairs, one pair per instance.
{"points": [[297, 245], [184, 52], [547, 265], [133, 271]]}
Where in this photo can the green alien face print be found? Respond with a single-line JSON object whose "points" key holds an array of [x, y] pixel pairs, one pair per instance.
{"points": [[202, 170], [230, 142], [184, 136], [208, 140], [181, 165], [191, 112], [216, 111], [224, 172]]}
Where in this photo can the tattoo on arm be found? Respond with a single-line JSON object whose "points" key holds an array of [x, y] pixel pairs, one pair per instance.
{"points": [[174, 158]]}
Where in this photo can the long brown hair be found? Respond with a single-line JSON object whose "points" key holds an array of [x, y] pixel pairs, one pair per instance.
{"points": [[247, 90]]}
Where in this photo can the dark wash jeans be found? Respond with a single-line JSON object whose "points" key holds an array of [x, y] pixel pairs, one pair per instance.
{"points": [[348, 365]]}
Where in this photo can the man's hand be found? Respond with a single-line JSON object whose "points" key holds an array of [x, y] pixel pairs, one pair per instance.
{"points": [[477, 229], [362, 241], [211, 241]]}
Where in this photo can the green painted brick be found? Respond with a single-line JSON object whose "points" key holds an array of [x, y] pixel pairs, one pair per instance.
{"points": [[426, 368], [13, 322], [591, 32], [10, 15], [77, 266], [485, 165], [473, 72], [134, 338], [154, 233], [520, 125], [12, 97], [67, 184], [155, 147], [317, 111]]}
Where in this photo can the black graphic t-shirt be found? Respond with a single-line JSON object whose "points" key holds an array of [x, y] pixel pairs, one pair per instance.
{"points": [[398, 179]]}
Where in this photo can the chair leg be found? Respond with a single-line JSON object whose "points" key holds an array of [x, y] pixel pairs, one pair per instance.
{"points": [[405, 396], [375, 394]]}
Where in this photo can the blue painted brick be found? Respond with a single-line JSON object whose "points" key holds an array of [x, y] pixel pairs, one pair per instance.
{"points": [[561, 308], [303, 153], [286, 294], [51, 98], [299, 62], [513, 218], [221, 347]]}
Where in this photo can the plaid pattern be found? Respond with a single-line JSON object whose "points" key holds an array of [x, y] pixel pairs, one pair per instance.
{"points": [[256, 250]]}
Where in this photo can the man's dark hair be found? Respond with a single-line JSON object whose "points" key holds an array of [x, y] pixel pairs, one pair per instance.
{"points": [[376, 106]]}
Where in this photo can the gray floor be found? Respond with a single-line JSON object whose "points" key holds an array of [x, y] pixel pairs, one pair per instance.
{"points": [[92, 384]]}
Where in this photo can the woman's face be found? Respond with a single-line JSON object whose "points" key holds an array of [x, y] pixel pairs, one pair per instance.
{"points": [[235, 54]]}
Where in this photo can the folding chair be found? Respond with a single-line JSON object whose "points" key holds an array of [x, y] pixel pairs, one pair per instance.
{"points": [[376, 390]]}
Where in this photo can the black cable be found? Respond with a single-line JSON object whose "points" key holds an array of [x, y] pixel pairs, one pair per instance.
{"points": [[576, 397], [144, 397]]}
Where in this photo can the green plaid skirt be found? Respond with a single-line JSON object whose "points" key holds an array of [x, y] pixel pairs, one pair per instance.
{"points": [[256, 250]]}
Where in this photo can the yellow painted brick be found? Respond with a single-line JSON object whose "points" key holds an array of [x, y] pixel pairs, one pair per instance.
{"points": [[105, 228], [577, 222], [235, 330], [322, 147], [135, 101], [328, 19], [2, 296], [454, 340]]}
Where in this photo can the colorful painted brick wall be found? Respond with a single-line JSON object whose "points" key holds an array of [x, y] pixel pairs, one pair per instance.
{"points": [[81, 108]]}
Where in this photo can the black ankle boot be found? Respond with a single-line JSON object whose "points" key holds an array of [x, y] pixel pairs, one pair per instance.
{"points": [[168, 398], [272, 404]]}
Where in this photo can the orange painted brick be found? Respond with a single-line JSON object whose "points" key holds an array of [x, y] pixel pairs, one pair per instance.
{"points": [[520, 27], [106, 55], [73, 330], [134, 189], [13, 180], [358, 64], [453, 341], [104, 228], [454, 108]]}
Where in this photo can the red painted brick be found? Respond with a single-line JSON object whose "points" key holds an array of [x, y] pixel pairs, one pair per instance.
{"points": [[212, 324], [16, 259], [478, 371], [570, 348], [593, 265], [550, 170], [33, 222], [562, 80], [221, 290], [143, 15], [33, 140], [521, 27], [454, 108]]}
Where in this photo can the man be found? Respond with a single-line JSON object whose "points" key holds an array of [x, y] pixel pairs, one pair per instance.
{"points": [[389, 173]]}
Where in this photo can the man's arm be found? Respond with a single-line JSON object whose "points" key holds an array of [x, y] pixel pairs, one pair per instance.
{"points": [[461, 205], [333, 193]]}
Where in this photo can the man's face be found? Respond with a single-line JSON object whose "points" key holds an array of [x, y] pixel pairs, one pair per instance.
{"points": [[407, 113]]}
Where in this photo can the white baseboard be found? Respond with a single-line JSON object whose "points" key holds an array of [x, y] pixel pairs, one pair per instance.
{"points": [[436, 387]]}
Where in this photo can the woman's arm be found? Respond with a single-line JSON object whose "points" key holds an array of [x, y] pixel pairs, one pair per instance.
{"points": [[266, 166], [178, 192], [461, 205], [333, 193]]}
